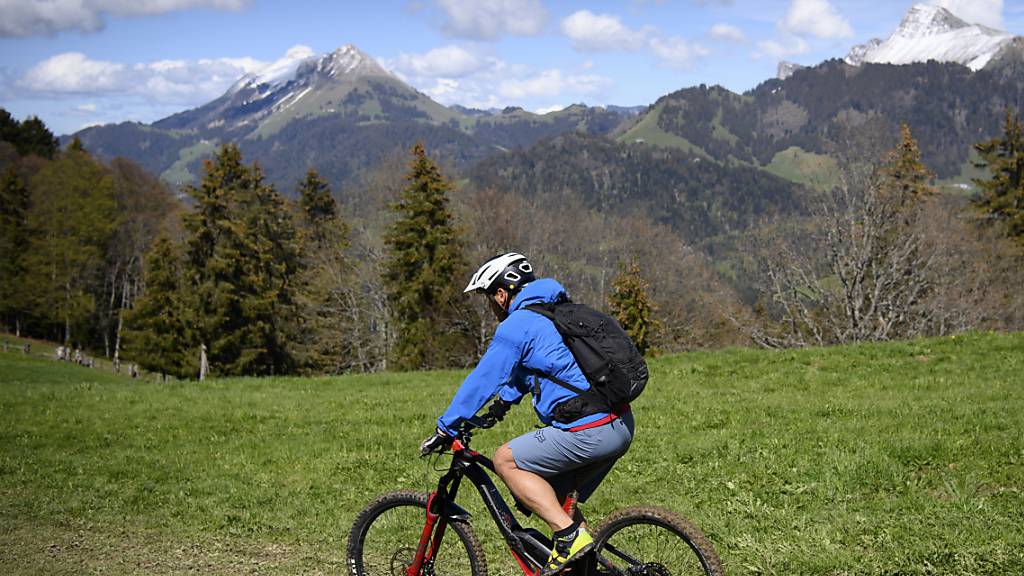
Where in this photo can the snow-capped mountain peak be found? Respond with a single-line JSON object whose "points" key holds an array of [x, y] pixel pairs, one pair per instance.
{"points": [[283, 70], [349, 60], [933, 33], [301, 61], [925, 20]]}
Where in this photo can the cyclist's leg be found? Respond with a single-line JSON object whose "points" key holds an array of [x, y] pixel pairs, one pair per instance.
{"points": [[585, 479], [531, 489], [530, 462]]}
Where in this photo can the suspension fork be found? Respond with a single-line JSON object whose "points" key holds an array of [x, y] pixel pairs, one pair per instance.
{"points": [[424, 555], [434, 527]]}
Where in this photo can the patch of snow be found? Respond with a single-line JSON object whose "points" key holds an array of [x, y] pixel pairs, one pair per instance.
{"points": [[283, 70], [786, 69], [290, 100]]}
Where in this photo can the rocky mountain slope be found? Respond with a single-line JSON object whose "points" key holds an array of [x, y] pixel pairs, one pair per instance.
{"points": [[928, 33]]}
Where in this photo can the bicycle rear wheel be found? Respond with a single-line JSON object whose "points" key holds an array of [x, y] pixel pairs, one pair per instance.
{"points": [[650, 541], [384, 537]]}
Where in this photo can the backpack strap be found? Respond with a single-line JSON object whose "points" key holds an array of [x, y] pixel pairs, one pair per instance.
{"points": [[546, 311]]}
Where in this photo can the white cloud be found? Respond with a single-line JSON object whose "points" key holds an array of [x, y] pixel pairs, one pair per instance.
{"points": [[74, 73], [550, 109], [445, 62], [166, 81], [816, 18], [676, 52], [987, 12], [490, 82], [597, 32], [491, 19], [727, 32], [549, 83], [777, 49], [40, 17]]}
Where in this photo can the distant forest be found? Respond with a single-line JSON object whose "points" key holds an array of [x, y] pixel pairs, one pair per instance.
{"points": [[255, 279]]}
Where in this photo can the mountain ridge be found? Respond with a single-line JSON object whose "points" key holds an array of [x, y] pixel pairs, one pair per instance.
{"points": [[345, 89], [926, 33]]}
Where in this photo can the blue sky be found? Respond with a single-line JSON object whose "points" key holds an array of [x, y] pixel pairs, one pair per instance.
{"points": [[76, 63]]}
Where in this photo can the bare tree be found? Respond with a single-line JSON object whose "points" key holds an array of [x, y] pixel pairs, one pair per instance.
{"points": [[862, 270]]}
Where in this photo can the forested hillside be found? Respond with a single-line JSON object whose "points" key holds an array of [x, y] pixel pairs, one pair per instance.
{"points": [[948, 106], [698, 197]]}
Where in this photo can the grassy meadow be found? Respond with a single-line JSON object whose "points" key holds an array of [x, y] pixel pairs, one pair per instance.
{"points": [[901, 458]]}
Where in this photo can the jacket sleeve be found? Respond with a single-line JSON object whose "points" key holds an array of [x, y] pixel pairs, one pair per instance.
{"points": [[495, 371]]}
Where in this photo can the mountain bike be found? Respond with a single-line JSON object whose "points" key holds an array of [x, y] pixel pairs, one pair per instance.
{"points": [[403, 533]]}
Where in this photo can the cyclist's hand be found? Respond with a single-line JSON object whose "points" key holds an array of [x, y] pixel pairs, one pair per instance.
{"points": [[437, 442], [496, 412]]}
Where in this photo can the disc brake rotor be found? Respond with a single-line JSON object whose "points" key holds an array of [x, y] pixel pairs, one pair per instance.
{"points": [[401, 560]]}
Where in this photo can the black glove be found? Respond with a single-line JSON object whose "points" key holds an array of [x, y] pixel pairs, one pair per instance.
{"points": [[496, 412], [436, 442]]}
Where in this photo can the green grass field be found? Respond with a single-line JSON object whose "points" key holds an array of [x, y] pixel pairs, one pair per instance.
{"points": [[903, 458]]}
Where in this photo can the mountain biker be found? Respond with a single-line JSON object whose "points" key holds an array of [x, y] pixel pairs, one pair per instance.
{"points": [[541, 467]]}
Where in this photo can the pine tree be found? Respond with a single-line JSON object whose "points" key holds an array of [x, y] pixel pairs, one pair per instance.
{"points": [[632, 307], [1002, 194], [422, 273], [315, 199], [28, 137], [14, 202], [272, 247], [325, 326], [157, 333], [241, 256], [904, 177], [35, 138]]}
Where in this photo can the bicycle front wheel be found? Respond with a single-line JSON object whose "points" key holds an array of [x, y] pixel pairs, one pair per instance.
{"points": [[384, 537], [650, 541]]}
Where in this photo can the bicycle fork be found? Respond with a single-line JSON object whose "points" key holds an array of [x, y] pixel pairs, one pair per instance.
{"points": [[426, 550]]}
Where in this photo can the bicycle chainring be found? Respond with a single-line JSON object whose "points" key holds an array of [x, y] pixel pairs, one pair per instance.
{"points": [[649, 569]]}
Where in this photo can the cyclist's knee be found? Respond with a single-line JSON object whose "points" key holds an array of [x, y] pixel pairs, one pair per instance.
{"points": [[503, 460]]}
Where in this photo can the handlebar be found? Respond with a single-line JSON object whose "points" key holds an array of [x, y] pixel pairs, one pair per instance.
{"points": [[468, 425]]}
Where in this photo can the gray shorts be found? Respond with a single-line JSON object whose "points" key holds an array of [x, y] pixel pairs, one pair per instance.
{"points": [[573, 460]]}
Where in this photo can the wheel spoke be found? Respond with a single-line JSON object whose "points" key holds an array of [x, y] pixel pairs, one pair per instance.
{"points": [[649, 549], [387, 545]]}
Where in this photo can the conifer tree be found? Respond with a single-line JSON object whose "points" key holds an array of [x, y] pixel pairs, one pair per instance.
{"points": [[423, 269], [904, 176], [1002, 194], [315, 199], [632, 307], [28, 137], [157, 334], [36, 138], [14, 199], [241, 256], [326, 322]]}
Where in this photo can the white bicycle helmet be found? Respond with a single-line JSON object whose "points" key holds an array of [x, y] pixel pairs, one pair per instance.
{"points": [[509, 271]]}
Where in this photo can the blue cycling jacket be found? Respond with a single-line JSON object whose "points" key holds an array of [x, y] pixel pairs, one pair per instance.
{"points": [[523, 343]]}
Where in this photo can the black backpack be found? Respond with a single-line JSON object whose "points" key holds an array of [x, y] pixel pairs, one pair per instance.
{"points": [[605, 353]]}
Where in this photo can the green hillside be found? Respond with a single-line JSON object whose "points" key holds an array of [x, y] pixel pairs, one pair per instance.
{"points": [[901, 458]]}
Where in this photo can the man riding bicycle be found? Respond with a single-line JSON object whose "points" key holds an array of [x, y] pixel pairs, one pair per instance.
{"points": [[541, 467]]}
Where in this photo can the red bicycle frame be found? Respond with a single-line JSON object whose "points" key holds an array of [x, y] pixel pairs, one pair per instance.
{"points": [[529, 547]]}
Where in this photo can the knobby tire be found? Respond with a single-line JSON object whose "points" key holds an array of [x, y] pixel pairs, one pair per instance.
{"points": [[644, 541], [384, 537]]}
